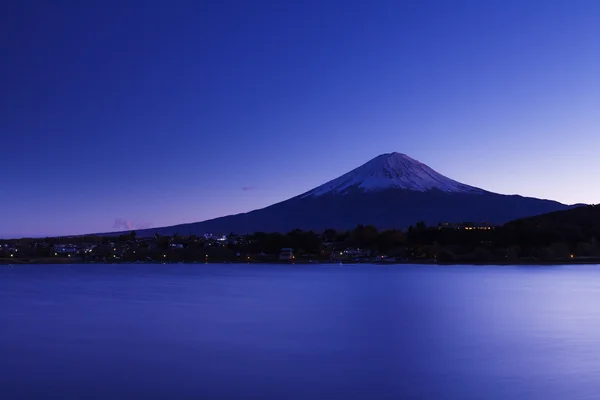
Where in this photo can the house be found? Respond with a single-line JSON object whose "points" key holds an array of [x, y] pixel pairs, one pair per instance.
{"points": [[356, 252], [286, 254], [350, 253], [215, 237], [468, 226], [65, 249], [88, 247]]}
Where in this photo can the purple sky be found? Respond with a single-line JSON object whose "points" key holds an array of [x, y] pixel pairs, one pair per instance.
{"points": [[138, 114]]}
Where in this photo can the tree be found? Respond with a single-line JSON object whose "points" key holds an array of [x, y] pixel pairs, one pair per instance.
{"points": [[387, 240], [585, 249], [364, 236], [561, 250], [164, 242], [329, 235], [512, 253], [482, 255], [546, 254], [445, 256]]}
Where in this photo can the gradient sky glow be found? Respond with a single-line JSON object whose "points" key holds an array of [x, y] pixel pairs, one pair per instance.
{"points": [[154, 113]]}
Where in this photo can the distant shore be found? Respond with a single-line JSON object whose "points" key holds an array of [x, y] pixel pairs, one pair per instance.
{"points": [[63, 261]]}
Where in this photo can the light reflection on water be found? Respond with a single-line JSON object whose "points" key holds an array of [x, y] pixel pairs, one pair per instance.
{"points": [[266, 331]]}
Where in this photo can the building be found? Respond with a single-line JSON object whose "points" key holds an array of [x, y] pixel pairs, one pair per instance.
{"points": [[286, 254], [468, 226], [356, 252], [65, 249]]}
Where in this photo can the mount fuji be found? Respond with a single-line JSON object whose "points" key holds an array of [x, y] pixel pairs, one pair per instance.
{"points": [[389, 191]]}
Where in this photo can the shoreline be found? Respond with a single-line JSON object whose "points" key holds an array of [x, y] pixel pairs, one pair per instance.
{"points": [[14, 262]]}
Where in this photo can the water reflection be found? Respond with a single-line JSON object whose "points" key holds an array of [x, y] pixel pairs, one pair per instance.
{"points": [[260, 331]]}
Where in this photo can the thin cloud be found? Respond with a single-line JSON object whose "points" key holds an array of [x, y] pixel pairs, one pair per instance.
{"points": [[248, 188], [127, 224], [123, 224]]}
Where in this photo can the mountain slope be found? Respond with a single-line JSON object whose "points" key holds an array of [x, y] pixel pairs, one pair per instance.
{"points": [[584, 217], [390, 191]]}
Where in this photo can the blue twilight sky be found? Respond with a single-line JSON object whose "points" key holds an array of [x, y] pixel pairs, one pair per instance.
{"points": [[135, 114]]}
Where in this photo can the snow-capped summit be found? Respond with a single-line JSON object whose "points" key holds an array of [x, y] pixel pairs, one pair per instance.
{"points": [[392, 171]]}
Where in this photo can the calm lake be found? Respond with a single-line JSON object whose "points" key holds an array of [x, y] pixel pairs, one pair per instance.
{"points": [[299, 332]]}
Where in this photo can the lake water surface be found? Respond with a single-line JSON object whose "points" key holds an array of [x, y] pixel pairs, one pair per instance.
{"points": [[299, 332]]}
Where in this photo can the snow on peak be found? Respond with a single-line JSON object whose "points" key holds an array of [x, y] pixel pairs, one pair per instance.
{"points": [[392, 171]]}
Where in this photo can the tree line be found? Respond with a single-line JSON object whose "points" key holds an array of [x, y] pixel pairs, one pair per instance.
{"points": [[565, 235]]}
